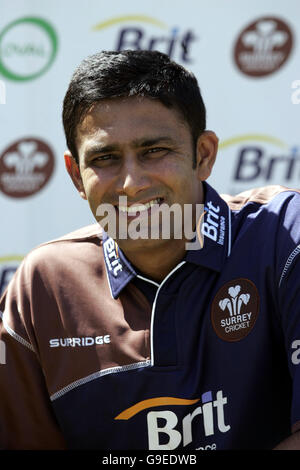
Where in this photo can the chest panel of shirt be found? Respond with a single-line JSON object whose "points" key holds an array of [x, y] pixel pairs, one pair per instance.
{"points": [[209, 361], [99, 421], [194, 361], [94, 337], [183, 309]]}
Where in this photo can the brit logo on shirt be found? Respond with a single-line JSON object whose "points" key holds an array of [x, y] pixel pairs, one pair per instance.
{"points": [[215, 224], [111, 254], [234, 309], [168, 429]]}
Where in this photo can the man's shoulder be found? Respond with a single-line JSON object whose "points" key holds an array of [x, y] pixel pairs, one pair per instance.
{"points": [[75, 246], [261, 196], [269, 213], [82, 234]]}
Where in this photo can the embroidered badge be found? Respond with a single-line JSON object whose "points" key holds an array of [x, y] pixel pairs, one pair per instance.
{"points": [[235, 309]]}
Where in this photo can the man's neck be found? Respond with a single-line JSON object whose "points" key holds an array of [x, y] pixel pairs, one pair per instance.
{"points": [[158, 262]]}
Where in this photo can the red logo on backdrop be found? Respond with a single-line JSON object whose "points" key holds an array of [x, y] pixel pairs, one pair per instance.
{"points": [[263, 46], [25, 167]]}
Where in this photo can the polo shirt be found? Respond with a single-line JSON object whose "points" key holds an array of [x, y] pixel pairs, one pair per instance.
{"points": [[97, 356]]}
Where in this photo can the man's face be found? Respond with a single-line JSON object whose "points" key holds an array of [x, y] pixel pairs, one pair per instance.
{"points": [[138, 148]]}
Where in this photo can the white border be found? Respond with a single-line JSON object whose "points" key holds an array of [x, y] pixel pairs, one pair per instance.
{"points": [[154, 305], [229, 232], [14, 334], [96, 375], [289, 261]]}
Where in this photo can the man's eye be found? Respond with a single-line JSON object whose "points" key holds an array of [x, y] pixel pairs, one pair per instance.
{"points": [[103, 158], [157, 150]]}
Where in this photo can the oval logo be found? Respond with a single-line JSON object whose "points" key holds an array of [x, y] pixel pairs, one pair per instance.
{"points": [[25, 167], [28, 47], [235, 309], [263, 46]]}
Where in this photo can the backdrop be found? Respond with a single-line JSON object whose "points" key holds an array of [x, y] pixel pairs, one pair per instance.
{"points": [[245, 55]]}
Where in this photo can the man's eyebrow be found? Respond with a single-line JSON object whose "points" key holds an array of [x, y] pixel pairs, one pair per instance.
{"points": [[149, 142], [99, 149], [138, 143]]}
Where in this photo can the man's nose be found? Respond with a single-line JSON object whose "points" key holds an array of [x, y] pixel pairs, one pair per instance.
{"points": [[132, 179]]}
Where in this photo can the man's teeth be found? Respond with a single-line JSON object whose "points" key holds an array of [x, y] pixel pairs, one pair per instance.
{"points": [[138, 207]]}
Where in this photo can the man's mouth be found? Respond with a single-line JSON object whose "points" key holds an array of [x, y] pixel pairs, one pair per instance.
{"points": [[133, 209]]}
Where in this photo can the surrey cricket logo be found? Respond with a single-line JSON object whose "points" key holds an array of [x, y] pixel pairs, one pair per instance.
{"points": [[235, 309], [26, 166], [263, 46], [235, 302]]}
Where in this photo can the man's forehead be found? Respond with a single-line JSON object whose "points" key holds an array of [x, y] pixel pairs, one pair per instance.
{"points": [[130, 118], [104, 109]]}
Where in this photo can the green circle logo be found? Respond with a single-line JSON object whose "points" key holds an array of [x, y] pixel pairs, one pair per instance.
{"points": [[28, 47]]}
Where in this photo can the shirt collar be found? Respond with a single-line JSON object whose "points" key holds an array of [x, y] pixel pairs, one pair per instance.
{"points": [[216, 241], [118, 269], [216, 232]]}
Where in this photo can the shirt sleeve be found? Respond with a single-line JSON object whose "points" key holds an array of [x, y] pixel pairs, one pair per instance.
{"points": [[288, 285], [27, 420]]}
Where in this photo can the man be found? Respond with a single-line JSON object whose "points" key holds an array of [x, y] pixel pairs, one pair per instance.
{"points": [[148, 343]]}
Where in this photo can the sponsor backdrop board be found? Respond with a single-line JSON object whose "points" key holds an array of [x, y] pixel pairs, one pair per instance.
{"points": [[245, 55]]}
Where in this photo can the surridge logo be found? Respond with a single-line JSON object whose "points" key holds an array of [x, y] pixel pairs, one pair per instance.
{"points": [[136, 36], [164, 429], [82, 341]]}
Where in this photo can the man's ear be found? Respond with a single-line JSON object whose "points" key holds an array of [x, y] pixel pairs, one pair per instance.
{"points": [[73, 170], [206, 152]]}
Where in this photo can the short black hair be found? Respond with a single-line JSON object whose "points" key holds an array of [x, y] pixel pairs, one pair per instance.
{"points": [[152, 74]]}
